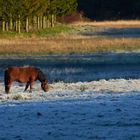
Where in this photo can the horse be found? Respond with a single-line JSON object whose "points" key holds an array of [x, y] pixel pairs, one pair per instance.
{"points": [[26, 75]]}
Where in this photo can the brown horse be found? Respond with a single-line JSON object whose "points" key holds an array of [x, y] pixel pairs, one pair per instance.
{"points": [[24, 75]]}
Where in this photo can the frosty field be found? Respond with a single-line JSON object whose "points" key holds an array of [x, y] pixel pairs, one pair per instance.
{"points": [[105, 109], [93, 97]]}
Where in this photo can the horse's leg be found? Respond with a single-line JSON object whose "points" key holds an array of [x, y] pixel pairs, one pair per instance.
{"points": [[31, 86], [7, 87], [27, 85], [7, 81]]}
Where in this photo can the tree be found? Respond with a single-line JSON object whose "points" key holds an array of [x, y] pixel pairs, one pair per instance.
{"points": [[34, 8], [61, 8], [19, 15]]}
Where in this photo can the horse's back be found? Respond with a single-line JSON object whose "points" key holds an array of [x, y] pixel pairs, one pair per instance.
{"points": [[21, 74]]}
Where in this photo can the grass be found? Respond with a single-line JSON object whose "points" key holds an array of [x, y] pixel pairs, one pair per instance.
{"points": [[44, 46], [42, 33], [114, 24], [58, 40], [54, 31]]}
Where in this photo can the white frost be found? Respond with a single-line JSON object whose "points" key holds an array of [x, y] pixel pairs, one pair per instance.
{"points": [[80, 90]]}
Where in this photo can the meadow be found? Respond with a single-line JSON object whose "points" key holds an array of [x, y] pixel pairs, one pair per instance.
{"points": [[81, 38]]}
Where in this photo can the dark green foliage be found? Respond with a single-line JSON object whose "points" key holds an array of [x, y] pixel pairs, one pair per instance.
{"points": [[25, 15]]}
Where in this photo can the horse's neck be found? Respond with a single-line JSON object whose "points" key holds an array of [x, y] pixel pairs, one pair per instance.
{"points": [[41, 77], [41, 80]]}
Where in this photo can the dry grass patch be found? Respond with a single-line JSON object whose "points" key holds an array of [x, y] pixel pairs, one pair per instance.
{"points": [[60, 45], [114, 24]]}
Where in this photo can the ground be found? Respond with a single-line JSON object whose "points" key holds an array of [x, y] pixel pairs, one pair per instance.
{"points": [[100, 110]]}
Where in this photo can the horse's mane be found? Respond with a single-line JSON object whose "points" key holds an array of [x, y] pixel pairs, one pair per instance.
{"points": [[41, 75]]}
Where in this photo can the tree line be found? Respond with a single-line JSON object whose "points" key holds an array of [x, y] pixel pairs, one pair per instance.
{"points": [[110, 9], [32, 15]]}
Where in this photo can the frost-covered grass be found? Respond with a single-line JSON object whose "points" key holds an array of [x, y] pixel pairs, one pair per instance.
{"points": [[69, 91], [97, 110]]}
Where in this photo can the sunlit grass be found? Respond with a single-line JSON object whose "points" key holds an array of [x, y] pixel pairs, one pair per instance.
{"points": [[115, 24], [62, 28], [54, 31], [44, 46]]}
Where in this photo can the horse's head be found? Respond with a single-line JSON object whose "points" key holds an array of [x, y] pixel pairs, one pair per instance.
{"points": [[44, 85]]}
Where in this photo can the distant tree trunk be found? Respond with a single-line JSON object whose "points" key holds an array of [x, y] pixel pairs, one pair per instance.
{"points": [[52, 20], [19, 24], [27, 24], [41, 23], [11, 24], [48, 21], [3, 25], [34, 23], [16, 25], [38, 23], [7, 26], [44, 22]]}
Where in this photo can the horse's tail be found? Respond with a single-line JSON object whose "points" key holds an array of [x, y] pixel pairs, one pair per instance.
{"points": [[6, 79]]}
